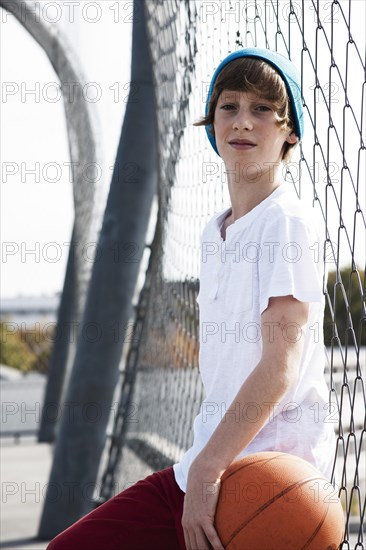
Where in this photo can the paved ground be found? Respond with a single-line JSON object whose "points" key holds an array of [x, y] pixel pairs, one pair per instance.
{"points": [[25, 468], [25, 464]]}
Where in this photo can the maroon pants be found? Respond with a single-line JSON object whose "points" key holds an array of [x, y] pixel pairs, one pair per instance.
{"points": [[146, 516]]}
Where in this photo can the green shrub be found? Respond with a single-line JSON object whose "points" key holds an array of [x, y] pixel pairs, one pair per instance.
{"points": [[25, 349]]}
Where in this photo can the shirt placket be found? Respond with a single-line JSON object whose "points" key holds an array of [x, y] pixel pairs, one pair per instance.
{"points": [[216, 267]]}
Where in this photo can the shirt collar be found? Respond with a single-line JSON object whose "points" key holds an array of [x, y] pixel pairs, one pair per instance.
{"points": [[245, 220]]}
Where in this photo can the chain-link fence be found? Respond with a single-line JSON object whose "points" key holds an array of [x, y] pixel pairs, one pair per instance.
{"points": [[161, 388]]}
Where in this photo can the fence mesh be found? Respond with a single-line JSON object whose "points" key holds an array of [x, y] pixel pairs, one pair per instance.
{"points": [[160, 388]]}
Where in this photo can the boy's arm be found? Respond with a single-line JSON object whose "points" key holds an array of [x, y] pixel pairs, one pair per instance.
{"points": [[275, 374]]}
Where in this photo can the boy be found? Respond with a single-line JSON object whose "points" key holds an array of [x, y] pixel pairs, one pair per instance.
{"points": [[261, 316]]}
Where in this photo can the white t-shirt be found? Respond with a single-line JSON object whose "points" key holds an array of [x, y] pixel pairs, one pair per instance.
{"points": [[274, 250]]}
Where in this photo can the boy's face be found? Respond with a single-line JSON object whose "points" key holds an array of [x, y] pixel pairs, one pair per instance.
{"points": [[246, 131]]}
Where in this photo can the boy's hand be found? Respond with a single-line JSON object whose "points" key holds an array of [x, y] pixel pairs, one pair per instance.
{"points": [[199, 509]]}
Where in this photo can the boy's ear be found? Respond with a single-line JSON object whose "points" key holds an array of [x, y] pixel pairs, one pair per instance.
{"points": [[292, 138]]}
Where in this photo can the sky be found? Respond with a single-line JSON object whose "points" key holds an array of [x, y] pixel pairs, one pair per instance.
{"points": [[37, 208], [36, 189]]}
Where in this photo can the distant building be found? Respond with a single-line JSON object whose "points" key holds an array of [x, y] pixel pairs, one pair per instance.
{"points": [[30, 309]]}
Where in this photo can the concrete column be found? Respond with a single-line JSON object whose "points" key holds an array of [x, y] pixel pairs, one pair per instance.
{"points": [[82, 433]]}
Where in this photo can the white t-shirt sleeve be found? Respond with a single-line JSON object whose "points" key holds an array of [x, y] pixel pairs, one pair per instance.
{"points": [[290, 263]]}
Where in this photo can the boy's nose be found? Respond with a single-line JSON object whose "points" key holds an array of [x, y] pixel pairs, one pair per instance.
{"points": [[243, 122]]}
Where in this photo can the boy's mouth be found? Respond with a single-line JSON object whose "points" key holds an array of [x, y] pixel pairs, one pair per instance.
{"points": [[242, 143]]}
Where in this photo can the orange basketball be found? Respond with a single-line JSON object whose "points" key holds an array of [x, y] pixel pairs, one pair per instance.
{"points": [[277, 501]]}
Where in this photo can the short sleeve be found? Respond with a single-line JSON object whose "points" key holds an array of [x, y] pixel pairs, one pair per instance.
{"points": [[290, 263]]}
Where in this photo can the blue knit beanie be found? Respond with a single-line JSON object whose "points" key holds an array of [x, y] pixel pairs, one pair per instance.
{"points": [[286, 70]]}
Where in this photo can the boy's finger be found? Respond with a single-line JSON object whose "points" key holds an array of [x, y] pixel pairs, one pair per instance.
{"points": [[187, 539], [202, 541], [213, 537]]}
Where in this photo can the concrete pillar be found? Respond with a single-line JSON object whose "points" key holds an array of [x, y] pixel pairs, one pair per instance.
{"points": [[82, 434]]}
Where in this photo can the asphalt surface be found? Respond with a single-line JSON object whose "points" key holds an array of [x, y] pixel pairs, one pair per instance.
{"points": [[25, 464]]}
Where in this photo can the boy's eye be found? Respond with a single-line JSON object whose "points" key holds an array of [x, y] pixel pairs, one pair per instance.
{"points": [[260, 108], [263, 108], [227, 107]]}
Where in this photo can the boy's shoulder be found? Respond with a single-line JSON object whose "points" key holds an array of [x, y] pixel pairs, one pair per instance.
{"points": [[288, 209], [284, 202], [282, 207]]}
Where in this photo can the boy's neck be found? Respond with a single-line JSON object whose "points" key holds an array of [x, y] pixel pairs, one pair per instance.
{"points": [[244, 199]]}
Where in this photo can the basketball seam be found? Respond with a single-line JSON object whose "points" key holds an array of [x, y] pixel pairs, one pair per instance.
{"points": [[248, 464], [262, 461], [267, 504], [316, 531]]}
